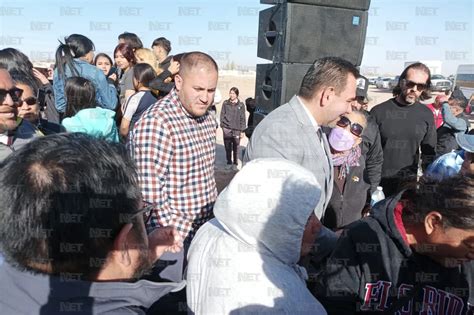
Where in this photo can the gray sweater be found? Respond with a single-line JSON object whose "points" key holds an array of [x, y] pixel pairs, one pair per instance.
{"points": [[22, 292]]}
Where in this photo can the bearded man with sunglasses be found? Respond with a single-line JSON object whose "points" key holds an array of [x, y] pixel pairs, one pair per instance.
{"points": [[14, 132], [405, 126]]}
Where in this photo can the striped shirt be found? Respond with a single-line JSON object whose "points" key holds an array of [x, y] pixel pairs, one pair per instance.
{"points": [[175, 153]]}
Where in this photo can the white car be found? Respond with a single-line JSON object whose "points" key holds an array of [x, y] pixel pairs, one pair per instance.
{"points": [[440, 83], [383, 83]]}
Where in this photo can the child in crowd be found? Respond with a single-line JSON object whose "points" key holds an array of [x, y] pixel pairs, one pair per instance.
{"points": [[82, 115], [143, 74]]}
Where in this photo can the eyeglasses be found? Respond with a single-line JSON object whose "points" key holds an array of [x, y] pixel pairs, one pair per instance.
{"points": [[356, 129], [419, 86], [15, 94], [29, 100], [146, 213]]}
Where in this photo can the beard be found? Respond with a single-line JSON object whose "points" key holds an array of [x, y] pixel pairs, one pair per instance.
{"points": [[409, 98], [143, 266]]}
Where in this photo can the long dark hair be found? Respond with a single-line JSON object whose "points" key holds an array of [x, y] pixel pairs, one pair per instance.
{"points": [[74, 46], [397, 90], [144, 73], [80, 94]]}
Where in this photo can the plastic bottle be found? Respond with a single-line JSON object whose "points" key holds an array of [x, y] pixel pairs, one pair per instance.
{"points": [[377, 196]]}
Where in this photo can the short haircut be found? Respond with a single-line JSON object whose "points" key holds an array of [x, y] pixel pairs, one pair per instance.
{"points": [[163, 43], [131, 39], [12, 59], [397, 90], [127, 52], [451, 197], [80, 94], [194, 59], [144, 73], [65, 197], [325, 72]]}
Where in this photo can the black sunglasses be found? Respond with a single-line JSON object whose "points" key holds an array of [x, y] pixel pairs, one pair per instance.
{"points": [[15, 94], [419, 86], [30, 100], [356, 129]]}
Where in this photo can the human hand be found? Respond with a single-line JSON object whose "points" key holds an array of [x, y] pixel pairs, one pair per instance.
{"points": [[443, 99], [113, 77], [174, 67], [164, 239], [40, 76]]}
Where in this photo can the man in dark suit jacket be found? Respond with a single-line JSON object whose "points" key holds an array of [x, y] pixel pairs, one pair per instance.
{"points": [[293, 130]]}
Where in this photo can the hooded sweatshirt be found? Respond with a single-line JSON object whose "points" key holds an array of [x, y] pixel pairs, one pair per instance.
{"points": [[245, 259], [374, 270], [22, 292], [97, 122]]}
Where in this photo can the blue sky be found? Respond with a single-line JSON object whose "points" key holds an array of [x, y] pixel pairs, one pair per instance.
{"points": [[398, 31]]}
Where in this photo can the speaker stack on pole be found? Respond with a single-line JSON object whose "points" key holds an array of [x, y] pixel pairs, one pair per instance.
{"points": [[292, 34]]}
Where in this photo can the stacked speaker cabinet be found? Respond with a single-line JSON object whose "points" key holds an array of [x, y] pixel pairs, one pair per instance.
{"points": [[292, 34]]}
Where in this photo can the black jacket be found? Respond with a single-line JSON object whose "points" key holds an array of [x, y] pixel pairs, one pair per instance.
{"points": [[346, 206], [372, 264], [233, 116], [373, 153]]}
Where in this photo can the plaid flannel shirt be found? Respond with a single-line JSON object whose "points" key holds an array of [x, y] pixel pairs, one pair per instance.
{"points": [[175, 153]]}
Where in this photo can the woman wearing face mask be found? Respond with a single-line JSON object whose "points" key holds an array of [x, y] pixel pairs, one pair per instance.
{"points": [[350, 188]]}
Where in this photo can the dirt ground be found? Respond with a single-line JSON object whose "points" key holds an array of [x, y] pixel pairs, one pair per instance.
{"points": [[246, 86]]}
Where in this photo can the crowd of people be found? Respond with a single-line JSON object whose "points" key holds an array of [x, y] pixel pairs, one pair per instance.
{"points": [[110, 206]]}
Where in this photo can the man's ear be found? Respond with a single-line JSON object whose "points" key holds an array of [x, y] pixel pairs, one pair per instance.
{"points": [[178, 82], [358, 141], [326, 95], [433, 222], [122, 245]]}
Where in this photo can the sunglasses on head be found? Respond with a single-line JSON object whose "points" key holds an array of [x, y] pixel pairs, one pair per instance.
{"points": [[356, 129], [30, 100], [15, 94], [419, 86]]}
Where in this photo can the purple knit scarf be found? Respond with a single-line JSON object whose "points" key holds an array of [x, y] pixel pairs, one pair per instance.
{"points": [[346, 160]]}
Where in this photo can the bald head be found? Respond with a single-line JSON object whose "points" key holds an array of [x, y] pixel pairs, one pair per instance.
{"points": [[196, 60]]}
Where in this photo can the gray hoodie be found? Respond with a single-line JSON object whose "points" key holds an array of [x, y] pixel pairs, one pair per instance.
{"points": [[245, 260], [28, 293]]}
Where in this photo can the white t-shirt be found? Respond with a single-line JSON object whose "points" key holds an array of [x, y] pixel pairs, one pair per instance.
{"points": [[131, 105]]}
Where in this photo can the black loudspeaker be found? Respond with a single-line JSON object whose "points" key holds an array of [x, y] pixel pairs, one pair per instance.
{"points": [[345, 4], [301, 33], [277, 83]]}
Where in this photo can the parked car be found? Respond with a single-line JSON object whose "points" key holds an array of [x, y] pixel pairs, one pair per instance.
{"points": [[440, 83], [372, 81], [383, 83], [393, 82]]}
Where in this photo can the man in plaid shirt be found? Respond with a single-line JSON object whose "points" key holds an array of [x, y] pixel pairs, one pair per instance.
{"points": [[173, 145]]}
